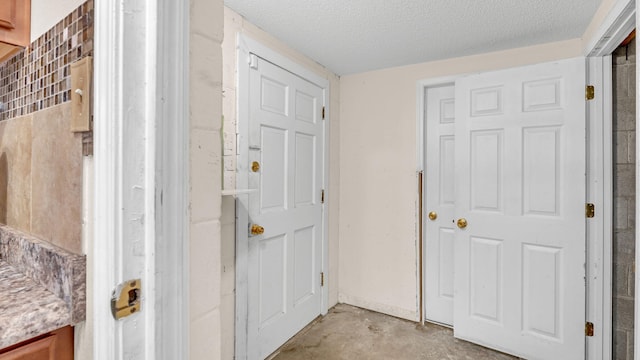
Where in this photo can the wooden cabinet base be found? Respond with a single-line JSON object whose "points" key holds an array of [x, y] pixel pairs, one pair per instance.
{"points": [[7, 51], [57, 345]]}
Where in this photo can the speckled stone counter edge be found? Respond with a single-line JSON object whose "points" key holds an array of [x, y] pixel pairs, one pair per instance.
{"points": [[27, 309], [61, 272]]}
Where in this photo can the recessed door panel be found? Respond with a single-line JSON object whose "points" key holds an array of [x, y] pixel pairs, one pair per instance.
{"points": [[273, 169], [542, 95], [274, 96], [306, 107], [305, 169], [486, 101], [541, 178], [447, 261], [486, 170], [304, 248], [447, 169], [542, 290], [273, 284], [447, 111], [486, 279]]}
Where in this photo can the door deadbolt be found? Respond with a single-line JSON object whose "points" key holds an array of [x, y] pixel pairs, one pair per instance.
{"points": [[255, 166], [125, 299], [257, 229], [433, 215]]}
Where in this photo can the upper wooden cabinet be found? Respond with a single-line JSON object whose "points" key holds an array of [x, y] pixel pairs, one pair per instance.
{"points": [[15, 26]]}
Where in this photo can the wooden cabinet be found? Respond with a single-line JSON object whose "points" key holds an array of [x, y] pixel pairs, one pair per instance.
{"points": [[15, 26], [57, 345]]}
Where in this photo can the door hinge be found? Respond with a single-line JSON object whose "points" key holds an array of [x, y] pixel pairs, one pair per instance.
{"points": [[323, 113], [588, 329], [590, 92], [322, 196], [590, 210], [321, 279]]}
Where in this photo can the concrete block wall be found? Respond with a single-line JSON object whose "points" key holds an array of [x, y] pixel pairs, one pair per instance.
{"points": [[624, 144], [205, 174]]}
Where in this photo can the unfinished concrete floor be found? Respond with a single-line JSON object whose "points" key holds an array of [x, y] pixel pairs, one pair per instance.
{"points": [[348, 332]]}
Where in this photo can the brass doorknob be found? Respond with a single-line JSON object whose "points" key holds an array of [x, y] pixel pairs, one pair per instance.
{"points": [[462, 223], [257, 230], [255, 166], [433, 215]]}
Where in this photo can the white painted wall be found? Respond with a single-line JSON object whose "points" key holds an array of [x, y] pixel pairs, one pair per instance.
{"points": [[46, 13], [378, 182], [205, 174], [235, 24]]}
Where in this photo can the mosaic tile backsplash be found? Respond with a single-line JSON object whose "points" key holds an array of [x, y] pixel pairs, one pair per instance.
{"points": [[40, 77]]}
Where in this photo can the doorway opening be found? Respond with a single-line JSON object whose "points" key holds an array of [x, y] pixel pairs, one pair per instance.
{"points": [[624, 161], [607, 148]]}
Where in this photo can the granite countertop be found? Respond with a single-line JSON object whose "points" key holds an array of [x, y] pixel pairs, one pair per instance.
{"points": [[42, 287], [27, 309]]}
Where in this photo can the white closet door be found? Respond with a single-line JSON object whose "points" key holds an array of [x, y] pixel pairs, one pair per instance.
{"points": [[520, 186], [440, 203]]}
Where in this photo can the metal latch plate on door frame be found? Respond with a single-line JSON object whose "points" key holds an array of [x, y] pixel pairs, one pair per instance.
{"points": [[125, 299]]}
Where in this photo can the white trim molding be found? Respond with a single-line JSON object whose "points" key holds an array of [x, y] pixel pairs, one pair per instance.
{"points": [[599, 192], [618, 23], [616, 26], [139, 156], [107, 146], [172, 179]]}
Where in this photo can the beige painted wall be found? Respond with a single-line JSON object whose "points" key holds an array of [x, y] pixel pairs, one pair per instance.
{"points": [[378, 183], [596, 21], [205, 154], [46, 13], [234, 24]]}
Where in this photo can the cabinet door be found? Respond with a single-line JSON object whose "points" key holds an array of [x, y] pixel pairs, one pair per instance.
{"points": [[38, 350], [15, 22], [8, 15], [56, 346]]}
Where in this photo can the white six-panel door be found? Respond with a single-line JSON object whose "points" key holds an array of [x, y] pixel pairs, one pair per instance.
{"points": [[284, 263], [520, 185], [440, 200]]}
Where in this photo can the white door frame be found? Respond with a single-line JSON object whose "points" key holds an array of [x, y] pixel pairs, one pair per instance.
{"points": [[247, 46], [172, 179], [615, 27], [159, 175]]}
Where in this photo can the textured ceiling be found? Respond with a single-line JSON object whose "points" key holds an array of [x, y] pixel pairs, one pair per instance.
{"points": [[352, 36]]}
